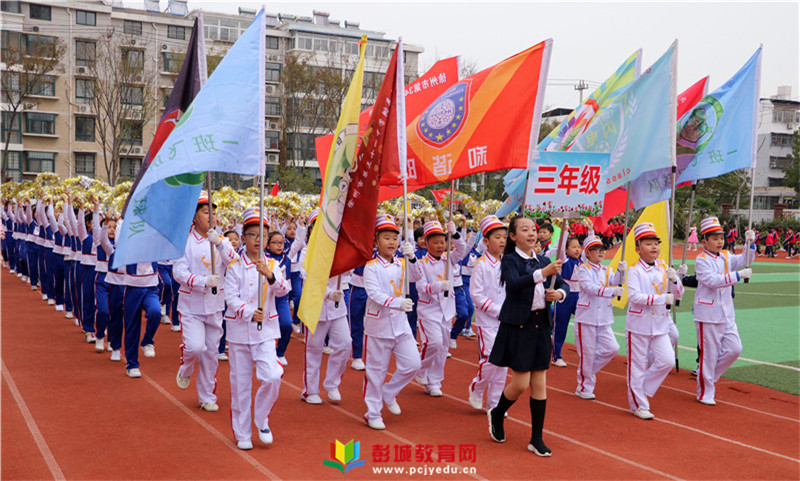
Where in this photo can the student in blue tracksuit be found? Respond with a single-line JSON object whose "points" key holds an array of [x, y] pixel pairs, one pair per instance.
{"points": [[467, 264], [88, 261], [275, 246], [115, 278], [356, 308], [419, 252], [571, 259], [295, 276], [32, 249], [141, 294], [464, 307], [102, 235], [57, 262]]}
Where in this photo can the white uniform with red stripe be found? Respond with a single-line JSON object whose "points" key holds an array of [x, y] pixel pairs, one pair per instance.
{"points": [[594, 338], [647, 323], [435, 313], [201, 311], [332, 323], [488, 296], [250, 347], [715, 317], [386, 331]]}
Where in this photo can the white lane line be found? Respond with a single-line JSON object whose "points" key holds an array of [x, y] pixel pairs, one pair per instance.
{"points": [[387, 432], [765, 451], [52, 464], [221, 437]]}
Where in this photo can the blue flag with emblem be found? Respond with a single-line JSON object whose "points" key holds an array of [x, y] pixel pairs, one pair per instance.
{"points": [[222, 130]]}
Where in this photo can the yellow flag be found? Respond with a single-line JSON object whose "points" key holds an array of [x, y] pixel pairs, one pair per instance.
{"points": [[322, 244], [657, 214]]}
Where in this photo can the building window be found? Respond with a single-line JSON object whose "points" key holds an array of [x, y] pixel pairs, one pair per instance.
{"points": [[176, 32], [764, 202], [171, 62], [273, 72], [775, 182], [84, 53], [84, 89], [303, 43], [301, 146], [779, 163], [83, 17], [272, 43], [13, 91], [40, 12], [129, 166], [781, 140], [14, 165], [40, 161], [273, 107], [11, 7], [131, 133], [132, 96], [133, 59], [84, 129], [273, 139], [46, 87], [131, 27], [84, 164], [12, 130], [165, 93], [39, 45], [39, 123]]}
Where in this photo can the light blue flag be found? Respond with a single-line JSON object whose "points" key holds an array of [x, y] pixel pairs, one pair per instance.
{"points": [[222, 130], [638, 129], [717, 136]]}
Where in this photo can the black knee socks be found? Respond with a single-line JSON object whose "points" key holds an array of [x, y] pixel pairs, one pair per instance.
{"points": [[503, 405], [538, 408]]}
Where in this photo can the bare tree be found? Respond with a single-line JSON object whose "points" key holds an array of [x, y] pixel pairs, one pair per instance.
{"points": [[26, 71], [122, 93]]}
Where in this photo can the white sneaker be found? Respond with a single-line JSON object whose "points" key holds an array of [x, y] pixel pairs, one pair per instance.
{"points": [[183, 382], [77, 322], [434, 392], [115, 355], [282, 361], [176, 328], [708, 402], [149, 350], [90, 339], [99, 345], [560, 363], [68, 315], [475, 401], [108, 347], [334, 395], [33, 288], [585, 395], [470, 333], [244, 445], [449, 355], [296, 328], [313, 399], [165, 319], [422, 380], [51, 302], [24, 278], [163, 310], [453, 344], [210, 406], [135, 372], [358, 365], [265, 436], [59, 307], [376, 424], [223, 356], [44, 297], [327, 350], [643, 414], [393, 408]]}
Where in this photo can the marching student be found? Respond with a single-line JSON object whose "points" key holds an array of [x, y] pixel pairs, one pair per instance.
{"points": [[102, 235], [714, 315], [563, 311], [594, 338], [356, 309], [275, 250], [420, 250], [59, 250], [467, 267], [523, 338], [199, 305], [252, 345], [652, 286], [88, 260], [386, 327], [488, 295], [115, 278], [298, 243], [435, 310], [546, 239], [464, 306]]}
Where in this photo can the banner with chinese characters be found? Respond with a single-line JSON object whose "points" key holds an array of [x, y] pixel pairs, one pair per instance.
{"points": [[486, 122], [566, 184]]}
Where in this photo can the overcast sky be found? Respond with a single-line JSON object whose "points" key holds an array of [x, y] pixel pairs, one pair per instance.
{"points": [[589, 39]]}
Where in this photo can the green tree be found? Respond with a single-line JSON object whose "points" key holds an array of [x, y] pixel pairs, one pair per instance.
{"points": [[792, 174]]}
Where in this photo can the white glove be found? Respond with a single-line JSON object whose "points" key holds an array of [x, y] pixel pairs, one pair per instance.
{"points": [[750, 236], [408, 249], [683, 270], [746, 273], [214, 238], [618, 292], [669, 299], [672, 275], [212, 280], [407, 305], [336, 295], [445, 285], [622, 266], [451, 228]]}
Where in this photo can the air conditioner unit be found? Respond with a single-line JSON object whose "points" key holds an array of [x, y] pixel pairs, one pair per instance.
{"points": [[29, 106], [164, 47], [81, 69], [790, 126], [274, 57], [35, 29], [270, 89], [272, 157], [84, 108], [273, 125], [137, 150], [133, 41]]}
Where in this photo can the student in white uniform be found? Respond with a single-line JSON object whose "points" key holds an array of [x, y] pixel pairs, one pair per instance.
{"points": [[488, 296], [652, 286], [714, 316], [594, 338], [252, 344], [199, 307], [386, 328]]}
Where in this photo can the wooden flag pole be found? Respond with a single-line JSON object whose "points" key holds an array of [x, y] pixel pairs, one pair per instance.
{"points": [[260, 244], [450, 219], [211, 226]]}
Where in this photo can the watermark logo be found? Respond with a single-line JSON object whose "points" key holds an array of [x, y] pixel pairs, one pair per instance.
{"points": [[345, 456]]}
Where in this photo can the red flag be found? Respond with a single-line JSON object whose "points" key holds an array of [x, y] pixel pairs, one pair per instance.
{"points": [[440, 194], [275, 190], [376, 157]]}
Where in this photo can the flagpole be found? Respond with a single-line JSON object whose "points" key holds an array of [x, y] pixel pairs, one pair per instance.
{"points": [[260, 244], [670, 229], [750, 218], [689, 222], [449, 239], [564, 230], [625, 232], [406, 288], [211, 226], [402, 147]]}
